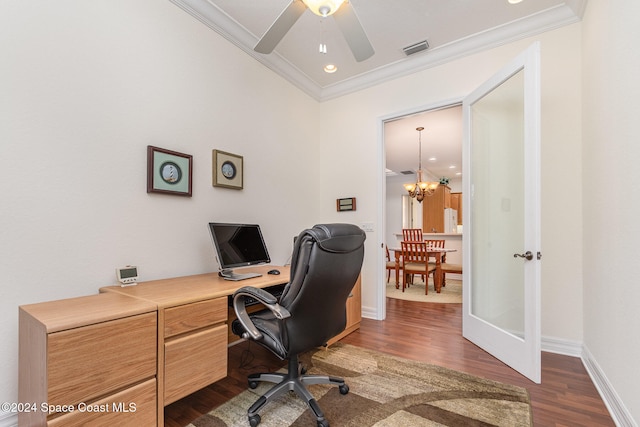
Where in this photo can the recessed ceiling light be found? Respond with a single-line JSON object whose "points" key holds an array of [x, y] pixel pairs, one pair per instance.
{"points": [[330, 68], [452, 167], [432, 159], [514, 1], [458, 173]]}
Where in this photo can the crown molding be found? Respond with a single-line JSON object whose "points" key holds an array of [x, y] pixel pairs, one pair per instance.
{"points": [[547, 20], [567, 13]]}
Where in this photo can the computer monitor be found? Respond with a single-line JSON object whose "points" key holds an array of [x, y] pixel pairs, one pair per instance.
{"points": [[238, 245]]}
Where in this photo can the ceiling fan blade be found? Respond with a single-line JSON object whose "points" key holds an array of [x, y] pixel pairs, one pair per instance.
{"points": [[353, 32], [280, 27]]}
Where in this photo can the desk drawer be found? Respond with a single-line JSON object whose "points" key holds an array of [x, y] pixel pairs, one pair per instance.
{"points": [[135, 406], [194, 361], [95, 360], [189, 317]]}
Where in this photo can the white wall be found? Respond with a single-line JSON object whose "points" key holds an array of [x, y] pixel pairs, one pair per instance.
{"points": [[84, 88], [611, 193], [355, 119]]}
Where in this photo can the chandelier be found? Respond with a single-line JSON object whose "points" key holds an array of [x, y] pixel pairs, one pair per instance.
{"points": [[421, 188]]}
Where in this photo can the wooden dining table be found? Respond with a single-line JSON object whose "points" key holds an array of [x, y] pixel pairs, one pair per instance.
{"points": [[432, 251]]}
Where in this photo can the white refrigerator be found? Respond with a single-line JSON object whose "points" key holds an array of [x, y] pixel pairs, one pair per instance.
{"points": [[450, 220]]}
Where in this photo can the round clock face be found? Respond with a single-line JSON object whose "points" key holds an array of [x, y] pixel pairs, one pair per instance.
{"points": [[170, 172], [228, 170]]}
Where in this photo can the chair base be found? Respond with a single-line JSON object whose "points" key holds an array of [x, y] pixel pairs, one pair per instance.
{"points": [[293, 380]]}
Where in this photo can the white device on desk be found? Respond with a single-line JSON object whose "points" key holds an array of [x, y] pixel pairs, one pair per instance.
{"points": [[128, 275]]}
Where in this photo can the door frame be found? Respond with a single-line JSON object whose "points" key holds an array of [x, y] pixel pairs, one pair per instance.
{"points": [[380, 308], [381, 289]]}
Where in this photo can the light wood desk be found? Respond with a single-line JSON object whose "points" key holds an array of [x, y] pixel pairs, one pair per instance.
{"points": [[192, 327], [150, 345]]}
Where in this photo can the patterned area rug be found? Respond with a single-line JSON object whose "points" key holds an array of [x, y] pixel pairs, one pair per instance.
{"points": [[385, 391], [451, 294]]}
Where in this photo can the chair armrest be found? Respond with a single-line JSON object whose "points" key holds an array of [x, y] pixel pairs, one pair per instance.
{"points": [[264, 298]]}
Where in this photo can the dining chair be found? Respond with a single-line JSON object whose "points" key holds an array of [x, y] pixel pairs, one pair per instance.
{"points": [[415, 260], [412, 234], [436, 243], [449, 268], [391, 265]]}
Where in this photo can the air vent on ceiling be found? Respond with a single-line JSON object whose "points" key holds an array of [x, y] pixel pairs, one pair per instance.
{"points": [[407, 172], [416, 47]]}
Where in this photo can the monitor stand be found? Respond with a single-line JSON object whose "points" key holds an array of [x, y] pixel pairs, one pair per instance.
{"points": [[228, 274]]}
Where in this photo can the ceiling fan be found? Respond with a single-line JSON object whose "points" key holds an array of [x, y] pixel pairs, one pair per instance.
{"points": [[343, 14]]}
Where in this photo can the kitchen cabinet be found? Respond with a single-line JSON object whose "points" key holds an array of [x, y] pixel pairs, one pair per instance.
{"points": [[433, 207]]}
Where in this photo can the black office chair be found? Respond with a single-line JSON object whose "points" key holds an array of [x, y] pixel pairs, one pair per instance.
{"points": [[325, 265]]}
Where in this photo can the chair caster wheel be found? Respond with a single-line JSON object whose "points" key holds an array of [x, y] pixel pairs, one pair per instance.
{"points": [[252, 385], [323, 423], [254, 420], [344, 389]]}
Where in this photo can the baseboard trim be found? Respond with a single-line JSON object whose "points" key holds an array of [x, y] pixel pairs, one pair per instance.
{"points": [[619, 412], [368, 313], [559, 346], [617, 409]]}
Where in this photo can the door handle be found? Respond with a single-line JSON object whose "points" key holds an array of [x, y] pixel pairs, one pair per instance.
{"points": [[527, 255]]}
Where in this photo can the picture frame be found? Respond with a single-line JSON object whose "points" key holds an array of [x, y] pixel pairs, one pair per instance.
{"points": [[169, 172], [227, 170]]}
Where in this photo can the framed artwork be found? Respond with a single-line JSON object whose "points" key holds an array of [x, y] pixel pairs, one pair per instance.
{"points": [[346, 204], [227, 170], [169, 172]]}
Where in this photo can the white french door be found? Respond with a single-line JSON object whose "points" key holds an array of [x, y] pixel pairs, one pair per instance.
{"points": [[501, 249]]}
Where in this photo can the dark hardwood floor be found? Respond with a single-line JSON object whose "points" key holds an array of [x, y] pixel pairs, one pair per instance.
{"points": [[430, 333]]}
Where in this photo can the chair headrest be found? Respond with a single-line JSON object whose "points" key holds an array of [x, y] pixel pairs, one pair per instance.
{"points": [[337, 238]]}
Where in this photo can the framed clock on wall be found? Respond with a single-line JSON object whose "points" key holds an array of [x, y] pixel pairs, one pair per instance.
{"points": [[169, 172], [227, 170]]}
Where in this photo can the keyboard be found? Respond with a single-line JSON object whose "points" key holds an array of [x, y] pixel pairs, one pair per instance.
{"points": [[242, 276], [275, 290]]}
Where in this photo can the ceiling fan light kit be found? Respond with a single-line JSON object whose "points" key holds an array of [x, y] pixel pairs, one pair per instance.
{"points": [[323, 7], [341, 10]]}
